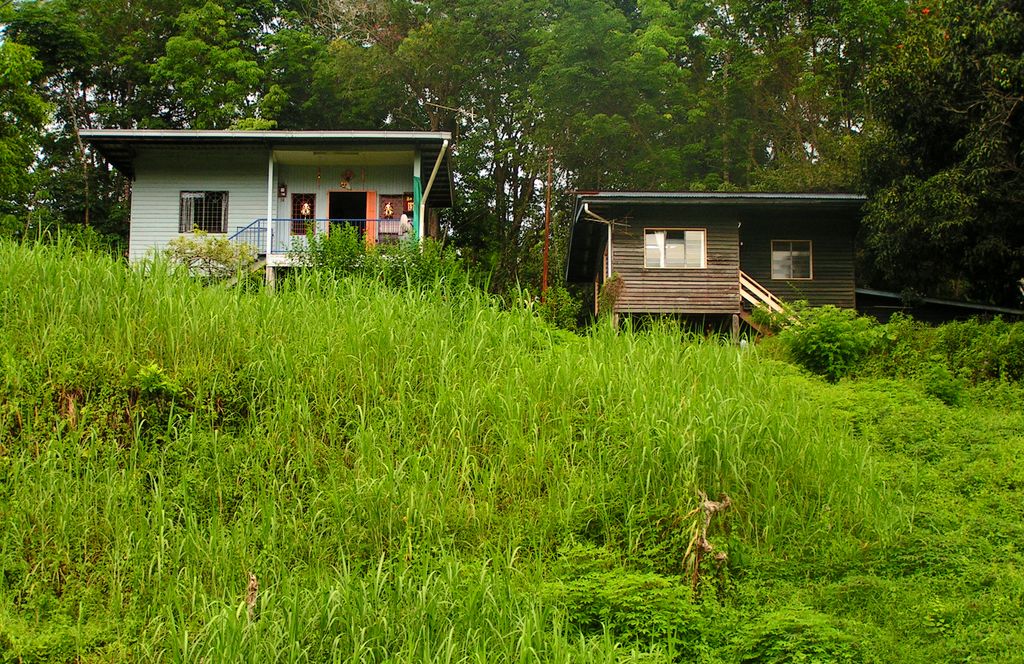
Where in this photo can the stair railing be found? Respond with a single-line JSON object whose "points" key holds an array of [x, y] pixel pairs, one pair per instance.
{"points": [[758, 295]]}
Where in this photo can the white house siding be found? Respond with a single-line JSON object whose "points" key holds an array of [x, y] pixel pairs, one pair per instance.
{"points": [[162, 174]]}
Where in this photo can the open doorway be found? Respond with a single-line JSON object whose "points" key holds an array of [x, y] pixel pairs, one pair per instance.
{"points": [[347, 208]]}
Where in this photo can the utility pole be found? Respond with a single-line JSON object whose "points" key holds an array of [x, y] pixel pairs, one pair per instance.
{"points": [[547, 228]]}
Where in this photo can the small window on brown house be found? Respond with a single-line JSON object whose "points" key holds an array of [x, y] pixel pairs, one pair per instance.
{"points": [[671, 248], [791, 259], [303, 213]]}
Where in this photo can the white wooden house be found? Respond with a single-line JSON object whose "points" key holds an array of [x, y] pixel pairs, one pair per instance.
{"points": [[268, 188]]}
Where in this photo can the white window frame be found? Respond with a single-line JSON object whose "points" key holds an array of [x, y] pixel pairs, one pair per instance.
{"points": [[810, 261], [703, 248], [187, 222]]}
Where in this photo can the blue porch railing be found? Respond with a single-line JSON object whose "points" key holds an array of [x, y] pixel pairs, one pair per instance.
{"points": [[290, 234]]}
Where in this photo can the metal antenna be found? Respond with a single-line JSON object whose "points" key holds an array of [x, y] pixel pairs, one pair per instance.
{"points": [[469, 114]]}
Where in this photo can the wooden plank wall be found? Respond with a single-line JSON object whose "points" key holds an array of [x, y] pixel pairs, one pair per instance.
{"points": [[832, 254], [713, 289]]}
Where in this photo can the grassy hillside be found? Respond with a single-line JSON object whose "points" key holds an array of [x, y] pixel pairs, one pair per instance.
{"points": [[418, 475]]}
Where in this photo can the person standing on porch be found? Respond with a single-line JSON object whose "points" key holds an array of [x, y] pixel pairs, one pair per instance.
{"points": [[404, 227]]}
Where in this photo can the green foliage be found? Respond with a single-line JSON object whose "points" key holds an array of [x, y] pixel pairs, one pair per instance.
{"points": [[969, 350], [341, 252], [22, 116], [941, 165], [415, 474], [940, 383], [829, 341], [945, 359], [152, 381], [792, 636], [560, 308], [213, 66], [400, 467], [211, 257], [642, 609], [344, 252], [609, 294]]}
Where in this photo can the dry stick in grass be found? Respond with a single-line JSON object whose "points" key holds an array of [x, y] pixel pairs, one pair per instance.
{"points": [[699, 544], [250, 595]]}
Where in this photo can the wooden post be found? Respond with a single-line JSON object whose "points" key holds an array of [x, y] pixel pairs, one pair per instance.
{"points": [[736, 329], [370, 228], [547, 228]]}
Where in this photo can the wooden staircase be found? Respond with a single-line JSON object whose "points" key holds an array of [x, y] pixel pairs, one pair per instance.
{"points": [[757, 295], [259, 264]]}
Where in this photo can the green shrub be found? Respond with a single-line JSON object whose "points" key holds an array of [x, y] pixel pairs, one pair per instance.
{"points": [[797, 635], [609, 295], [969, 350], [938, 381], [417, 264], [408, 263], [341, 251], [829, 341], [210, 257], [560, 308], [640, 608]]}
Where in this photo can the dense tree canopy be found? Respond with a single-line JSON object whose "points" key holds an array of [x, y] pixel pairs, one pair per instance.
{"points": [[916, 104], [944, 162], [22, 114]]}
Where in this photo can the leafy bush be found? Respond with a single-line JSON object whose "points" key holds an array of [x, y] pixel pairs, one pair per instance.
{"points": [[939, 382], [969, 350], [641, 608], [829, 341], [412, 263], [560, 308], [797, 635], [211, 257], [343, 252], [611, 290], [983, 350]]}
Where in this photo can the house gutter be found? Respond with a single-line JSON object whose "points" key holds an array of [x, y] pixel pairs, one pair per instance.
{"points": [[601, 220], [430, 184]]}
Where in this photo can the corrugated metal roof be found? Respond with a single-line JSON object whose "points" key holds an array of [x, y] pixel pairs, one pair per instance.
{"points": [[977, 306], [273, 135], [119, 146], [713, 197]]}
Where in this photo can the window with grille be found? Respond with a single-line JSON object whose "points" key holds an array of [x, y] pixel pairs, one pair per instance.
{"points": [[203, 211], [673, 248], [303, 213], [791, 259]]}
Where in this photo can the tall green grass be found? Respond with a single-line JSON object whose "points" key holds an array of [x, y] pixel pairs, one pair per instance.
{"points": [[399, 468]]}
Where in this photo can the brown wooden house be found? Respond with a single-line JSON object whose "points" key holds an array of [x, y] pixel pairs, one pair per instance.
{"points": [[715, 254]]}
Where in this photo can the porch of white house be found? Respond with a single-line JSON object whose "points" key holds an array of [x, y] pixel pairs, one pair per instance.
{"points": [[289, 236], [318, 192]]}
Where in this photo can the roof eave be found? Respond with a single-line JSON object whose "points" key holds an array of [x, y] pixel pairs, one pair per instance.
{"points": [[717, 198]]}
